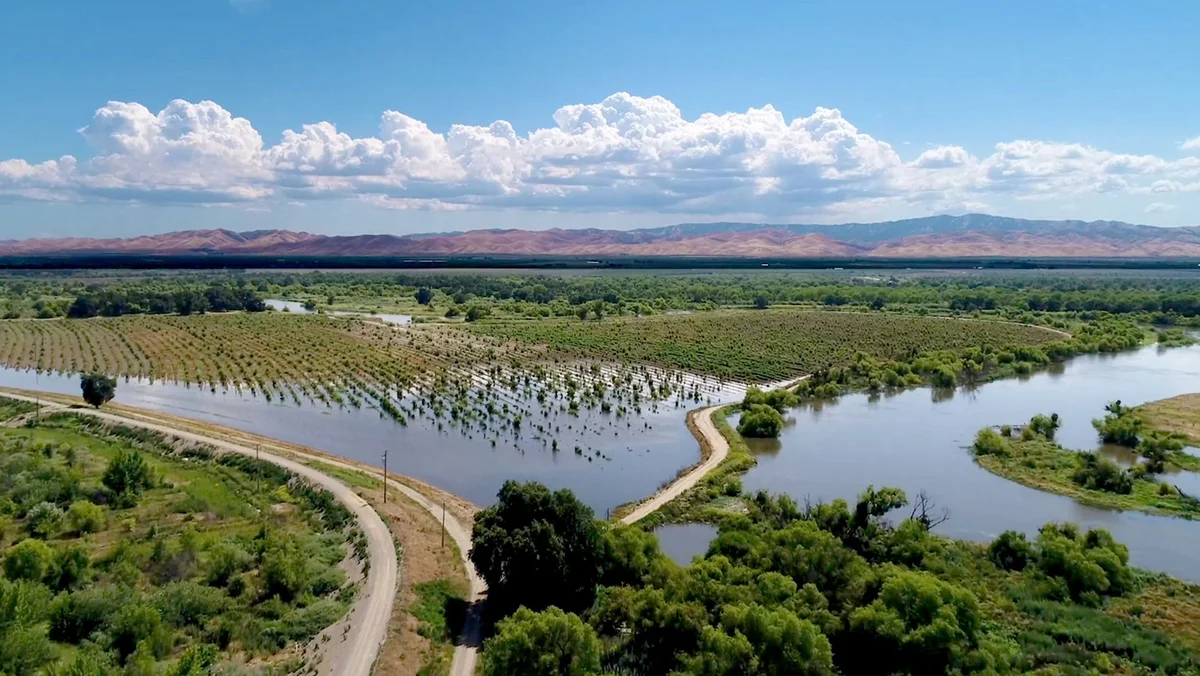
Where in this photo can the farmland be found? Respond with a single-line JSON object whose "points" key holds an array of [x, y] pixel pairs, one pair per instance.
{"points": [[761, 346], [280, 355], [122, 549]]}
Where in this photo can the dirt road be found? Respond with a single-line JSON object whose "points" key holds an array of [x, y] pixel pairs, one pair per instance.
{"points": [[373, 609], [719, 450], [466, 654]]}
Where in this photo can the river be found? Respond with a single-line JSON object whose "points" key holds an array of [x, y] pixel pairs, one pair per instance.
{"points": [[919, 439]]}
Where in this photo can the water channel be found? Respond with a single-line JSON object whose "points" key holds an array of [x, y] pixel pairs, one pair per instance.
{"points": [[918, 440], [295, 307]]}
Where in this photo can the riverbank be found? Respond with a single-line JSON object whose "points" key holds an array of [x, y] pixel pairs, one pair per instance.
{"points": [[1034, 460]]}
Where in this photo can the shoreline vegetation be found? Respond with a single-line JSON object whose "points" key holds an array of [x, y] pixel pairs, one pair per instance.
{"points": [[1030, 456]]}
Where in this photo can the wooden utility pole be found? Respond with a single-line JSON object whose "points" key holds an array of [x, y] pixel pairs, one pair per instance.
{"points": [[385, 476]]}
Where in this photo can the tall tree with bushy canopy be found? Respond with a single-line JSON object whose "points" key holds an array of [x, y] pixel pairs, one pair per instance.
{"points": [[538, 548], [98, 389]]}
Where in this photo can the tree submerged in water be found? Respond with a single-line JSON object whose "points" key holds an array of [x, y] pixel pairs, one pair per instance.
{"points": [[98, 389]]}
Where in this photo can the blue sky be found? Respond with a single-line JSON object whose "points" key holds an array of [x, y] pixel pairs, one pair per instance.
{"points": [[126, 117]]}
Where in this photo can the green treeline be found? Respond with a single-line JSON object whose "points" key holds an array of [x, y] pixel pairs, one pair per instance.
{"points": [[947, 368], [824, 589], [114, 302], [1163, 299], [1066, 293]]}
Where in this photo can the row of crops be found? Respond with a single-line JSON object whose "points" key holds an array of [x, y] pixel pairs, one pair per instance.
{"points": [[762, 346], [506, 392]]}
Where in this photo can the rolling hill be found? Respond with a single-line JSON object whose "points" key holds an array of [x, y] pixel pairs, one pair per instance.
{"points": [[971, 235]]}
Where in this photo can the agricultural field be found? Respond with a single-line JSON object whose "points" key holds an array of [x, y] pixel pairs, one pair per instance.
{"points": [[279, 354], [763, 346], [123, 550], [447, 378]]}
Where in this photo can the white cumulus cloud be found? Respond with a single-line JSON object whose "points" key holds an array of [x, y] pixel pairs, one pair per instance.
{"points": [[625, 153]]}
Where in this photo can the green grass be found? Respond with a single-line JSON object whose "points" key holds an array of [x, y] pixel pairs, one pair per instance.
{"points": [[762, 346], [347, 476], [11, 408], [440, 609]]}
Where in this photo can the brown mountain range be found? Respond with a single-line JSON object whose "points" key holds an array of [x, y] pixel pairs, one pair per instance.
{"points": [[973, 235]]}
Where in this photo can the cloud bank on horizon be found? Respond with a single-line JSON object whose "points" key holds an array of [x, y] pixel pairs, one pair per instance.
{"points": [[624, 154]]}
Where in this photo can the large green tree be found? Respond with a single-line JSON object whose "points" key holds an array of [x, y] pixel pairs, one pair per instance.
{"points": [[98, 389], [538, 548], [919, 625]]}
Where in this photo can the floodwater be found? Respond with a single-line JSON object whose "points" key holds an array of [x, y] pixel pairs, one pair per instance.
{"points": [[682, 541], [919, 440], [606, 459], [297, 308], [915, 440]]}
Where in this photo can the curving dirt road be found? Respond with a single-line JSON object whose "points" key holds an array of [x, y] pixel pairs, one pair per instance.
{"points": [[466, 654], [718, 451], [374, 607]]}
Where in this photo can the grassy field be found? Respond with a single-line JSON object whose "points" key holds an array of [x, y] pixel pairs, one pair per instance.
{"points": [[1177, 415], [122, 549], [762, 346]]}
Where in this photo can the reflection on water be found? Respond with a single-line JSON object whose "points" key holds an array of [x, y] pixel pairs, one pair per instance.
{"points": [[682, 541], [294, 307], [919, 439]]}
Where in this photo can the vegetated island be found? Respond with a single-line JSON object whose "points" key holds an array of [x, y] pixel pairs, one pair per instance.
{"points": [[1030, 456]]}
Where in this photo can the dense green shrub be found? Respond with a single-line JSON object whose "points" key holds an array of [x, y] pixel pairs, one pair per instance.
{"points": [[45, 520], [84, 517], [1101, 474], [1010, 551], [127, 475], [761, 421], [919, 624], [549, 643], [29, 560], [990, 442]]}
